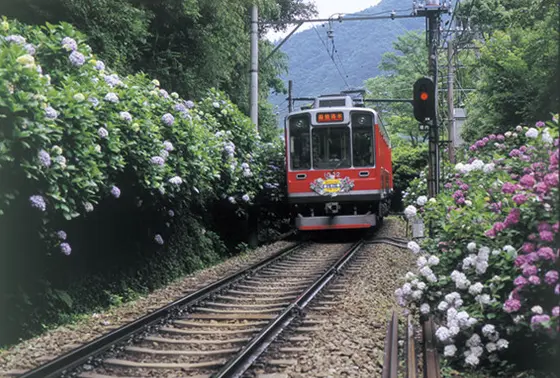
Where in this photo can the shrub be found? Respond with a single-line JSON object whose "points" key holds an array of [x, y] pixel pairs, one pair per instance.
{"points": [[490, 273], [75, 133]]}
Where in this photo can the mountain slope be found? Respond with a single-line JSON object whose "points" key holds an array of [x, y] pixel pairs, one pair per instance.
{"points": [[359, 46]]}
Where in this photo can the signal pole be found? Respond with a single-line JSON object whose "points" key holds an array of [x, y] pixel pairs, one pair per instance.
{"points": [[254, 98], [450, 106]]}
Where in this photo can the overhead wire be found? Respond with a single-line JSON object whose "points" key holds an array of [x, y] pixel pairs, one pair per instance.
{"points": [[327, 49]]}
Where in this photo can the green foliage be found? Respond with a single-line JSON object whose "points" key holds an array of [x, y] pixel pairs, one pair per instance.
{"points": [[407, 162], [517, 61]]}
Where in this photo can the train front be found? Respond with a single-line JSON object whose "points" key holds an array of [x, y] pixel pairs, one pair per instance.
{"points": [[338, 166]]}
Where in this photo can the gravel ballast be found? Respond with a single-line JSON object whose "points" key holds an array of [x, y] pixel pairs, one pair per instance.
{"points": [[39, 350], [350, 342]]}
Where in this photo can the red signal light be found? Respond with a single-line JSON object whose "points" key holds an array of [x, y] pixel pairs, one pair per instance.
{"points": [[423, 96]]}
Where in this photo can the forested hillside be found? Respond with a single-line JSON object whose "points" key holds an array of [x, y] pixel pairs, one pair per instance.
{"points": [[358, 45]]}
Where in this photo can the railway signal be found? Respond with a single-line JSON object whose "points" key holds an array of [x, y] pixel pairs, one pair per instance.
{"points": [[424, 99]]}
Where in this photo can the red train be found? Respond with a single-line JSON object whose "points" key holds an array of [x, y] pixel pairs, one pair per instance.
{"points": [[338, 163]]}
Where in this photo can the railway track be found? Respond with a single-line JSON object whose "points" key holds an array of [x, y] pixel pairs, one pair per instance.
{"points": [[429, 356], [218, 331]]}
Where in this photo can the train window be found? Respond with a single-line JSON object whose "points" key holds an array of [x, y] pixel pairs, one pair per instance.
{"points": [[331, 147], [362, 140], [300, 151]]}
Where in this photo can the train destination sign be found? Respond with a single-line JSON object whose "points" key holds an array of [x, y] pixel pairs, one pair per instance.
{"points": [[330, 117]]}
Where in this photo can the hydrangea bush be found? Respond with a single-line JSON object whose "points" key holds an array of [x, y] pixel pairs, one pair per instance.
{"points": [[489, 274], [74, 133]]}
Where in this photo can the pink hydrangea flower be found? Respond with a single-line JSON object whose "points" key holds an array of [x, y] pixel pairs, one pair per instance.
{"points": [[527, 181], [519, 199], [551, 179], [528, 247], [534, 280], [513, 217], [556, 311], [541, 188], [500, 137], [491, 233], [556, 227], [520, 281], [512, 305], [546, 236], [508, 187], [499, 226], [551, 277], [529, 270], [543, 226]]}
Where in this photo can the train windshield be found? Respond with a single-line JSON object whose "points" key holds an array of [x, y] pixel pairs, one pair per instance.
{"points": [[362, 140], [331, 147], [300, 149]]}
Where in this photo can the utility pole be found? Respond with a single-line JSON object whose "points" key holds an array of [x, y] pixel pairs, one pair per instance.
{"points": [[433, 149], [450, 106], [254, 97], [290, 101]]}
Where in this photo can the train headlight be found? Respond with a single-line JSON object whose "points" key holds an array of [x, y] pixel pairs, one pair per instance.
{"points": [[300, 123], [362, 120]]}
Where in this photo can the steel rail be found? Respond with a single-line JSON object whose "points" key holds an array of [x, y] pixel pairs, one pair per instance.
{"points": [[390, 358], [431, 357], [410, 353], [243, 360], [78, 356]]}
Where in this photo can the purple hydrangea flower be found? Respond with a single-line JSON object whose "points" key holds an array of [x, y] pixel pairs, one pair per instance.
{"points": [[77, 58], [168, 146], [168, 119], [112, 80], [540, 124], [112, 97], [245, 197], [500, 137], [99, 65], [508, 187], [30, 49], [448, 185], [38, 202], [527, 181], [69, 44], [551, 179], [50, 113], [65, 248], [157, 160], [189, 104], [556, 311], [125, 116], [520, 281], [17, 39], [115, 192], [519, 199], [93, 101], [44, 158], [176, 180], [61, 235], [164, 93], [180, 108], [171, 213], [164, 154], [158, 239], [546, 236], [102, 132]]}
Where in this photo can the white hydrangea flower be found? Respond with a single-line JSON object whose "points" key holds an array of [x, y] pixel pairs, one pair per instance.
{"points": [[443, 334], [484, 253], [421, 262], [471, 322], [477, 164], [489, 168], [421, 285], [468, 203], [491, 347], [431, 278], [483, 299], [518, 319], [432, 200], [509, 249], [417, 294], [546, 137], [496, 252], [433, 260], [463, 319], [477, 351], [502, 344], [459, 167], [476, 288], [472, 360], [410, 211], [471, 246], [406, 289], [414, 282], [421, 201], [426, 271], [413, 246], [425, 308], [488, 329], [532, 133], [508, 134], [454, 330], [442, 306], [473, 341], [481, 267], [537, 310], [449, 350], [409, 276]]}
